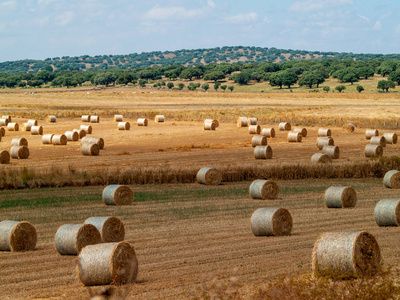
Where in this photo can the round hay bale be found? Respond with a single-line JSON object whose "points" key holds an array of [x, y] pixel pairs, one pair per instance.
{"points": [[391, 179], [47, 139], [209, 176], [59, 139], [37, 130], [252, 121], [7, 117], [19, 142], [87, 128], [391, 138], [254, 129], [369, 133], [259, 140], [378, 140], [4, 122], [124, 126], [93, 140], [372, 150], [72, 238], [26, 126], [115, 194], [268, 221], [72, 136], [81, 133], [12, 127], [159, 119], [302, 130], [263, 189], [51, 119], [109, 263], [324, 141], [90, 149], [111, 228], [346, 254], [94, 119], [209, 126], [4, 157], [17, 236], [285, 126], [242, 122], [349, 127], [19, 152], [263, 152], [142, 122], [340, 197], [320, 158], [324, 132], [33, 122], [118, 118], [268, 132], [332, 151], [85, 118], [387, 212], [294, 137], [216, 123], [2, 131]]}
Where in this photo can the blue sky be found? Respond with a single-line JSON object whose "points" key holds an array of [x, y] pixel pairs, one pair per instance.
{"points": [[38, 29]]}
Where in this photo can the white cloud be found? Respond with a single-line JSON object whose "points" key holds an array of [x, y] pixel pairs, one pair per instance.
{"points": [[158, 13], [312, 5], [45, 2], [378, 25], [64, 18], [365, 18], [240, 18]]}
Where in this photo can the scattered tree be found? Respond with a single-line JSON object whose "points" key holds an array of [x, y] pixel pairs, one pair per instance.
{"points": [[170, 85], [231, 87], [223, 87], [359, 88], [340, 88], [326, 89], [385, 85], [181, 86], [205, 87]]}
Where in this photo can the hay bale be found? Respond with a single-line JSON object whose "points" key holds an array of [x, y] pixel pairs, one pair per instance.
{"points": [[349, 127], [12, 127], [263, 189], [90, 149], [37, 130], [391, 179], [346, 254], [46, 139], [4, 122], [263, 152], [252, 121], [72, 238], [81, 133], [72, 136], [378, 140], [324, 141], [85, 118], [7, 117], [111, 228], [391, 138], [109, 263], [19, 152], [294, 137], [254, 129], [33, 122], [93, 140], [372, 150], [124, 126], [2, 131], [142, 122], [51, 119], [268, 132], [242, 122], [259, 140], [285, 126], [94, 119], [26, 126], [216, 123], [118, 118], [209, 126], [302, 130], [209, 176], [4, 157], [324, 132], [369, 133], [17, 236], [115, 194], [59, 139], [387, 212], [320, 158], [19, 142], [340, 197], [159, 119], [332, 151], [268, 221], [87, 128]]}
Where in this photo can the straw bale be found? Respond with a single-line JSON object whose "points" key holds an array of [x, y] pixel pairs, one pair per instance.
{"points": [[93, 140], [59, 139], [332, 151], [94, 119], [19, 142], [209, 176], [37, 130], [324, 132], [285, 126], [391, 138], [72, 238], [124, 126], [346, 254], [7, 117], [26, 126], [108, 263], [209, 126], [142, 122], [268, 132], [2, 131], [259, 140], [263, 189], [349, 127], [159, 119], [254, 129], [216, 123], [242, 122], [72, 136], [87, 128], [46, 139], [85, 118], [17, 236], [302, 130], [51, 119], [4, 122], [81, 132], [268, 221], [12, 127], [118, 118], [263, 152], [387, 212], [369, 133], [372, 150], [321, 158], [4, 157], [391, 179], [294, 137], [252, 121], [340, 197], [111, 228], [115, 194], [324, 141], [90, 149], [33, 122], [19, 152], [378, 140]]}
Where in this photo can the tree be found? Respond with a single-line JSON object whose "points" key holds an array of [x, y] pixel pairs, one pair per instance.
{"points": [[385, 85], [214, 76], [308, 79], [257, 75], [205, 87], [340, 88], [223, 87], [35, 82], [365, 72], [105, 78], [181, 86], [395, 76], [275, 80], [326, 89], [170, 85], [217, 85], [359, 88], [289, 78], [231, 87], [142, 82], [242, 78], [350, 77]]}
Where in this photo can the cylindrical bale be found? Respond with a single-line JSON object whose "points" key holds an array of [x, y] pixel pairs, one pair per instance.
{"points": [[209, 126], [391, 179], [19, 152], [254, 129], [378, 140], [268, 132], [94, 119], [37, 130], [7, 117], [285, 126], [302, 130], [71, 238], [46, 138], [90, 149], [372, 150], [387, 212], [17, 236], [332, 151], [93, 140], [59, 139], [81, 133], [349, 127], [51, 119], [325, 141], [72, 136], [263, 189], [33, 122], [340, 197], [263, 152], [108, 263], [142, 122], [324, 132], [252, 121], [242, 122], [209, 176], [259, 140], [346, 254], [4, 157], [124, 126], [369, 133], [268, 221], [85, 118], [294, 137], [115, 194], [111, 228], [321, 158], [26, 126], [391, 138], [159, 119], [19, 142], [4, 122], [2, 131], [216, 123], [118, 118], [12, 127], [87, 128]]}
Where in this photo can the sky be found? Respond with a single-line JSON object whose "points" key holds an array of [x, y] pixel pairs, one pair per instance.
{"points": [[40, 29]]}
